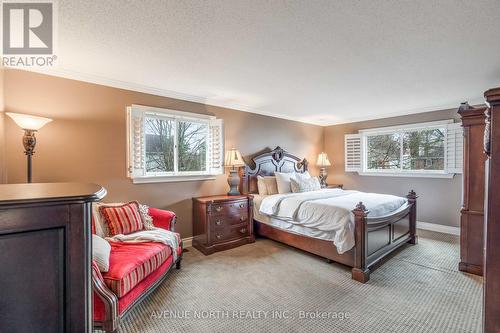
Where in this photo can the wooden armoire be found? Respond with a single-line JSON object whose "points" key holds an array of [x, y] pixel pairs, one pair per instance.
{"points": [[45, 257], [492, 214], [472, 212]]}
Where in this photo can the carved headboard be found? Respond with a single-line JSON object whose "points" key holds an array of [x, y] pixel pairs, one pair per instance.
{"points": [[267, 164]]}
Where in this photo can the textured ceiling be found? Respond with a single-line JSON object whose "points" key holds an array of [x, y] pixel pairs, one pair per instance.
{"points": [[315, 61]]}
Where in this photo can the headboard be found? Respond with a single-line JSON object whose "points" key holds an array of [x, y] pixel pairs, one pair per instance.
{"points": [[267, 164]]}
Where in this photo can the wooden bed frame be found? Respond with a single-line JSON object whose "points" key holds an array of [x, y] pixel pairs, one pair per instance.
{"points": [[375, 237]]}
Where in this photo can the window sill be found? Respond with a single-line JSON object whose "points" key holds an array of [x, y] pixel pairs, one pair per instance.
{"points": [[408, 175], [171, 179]]}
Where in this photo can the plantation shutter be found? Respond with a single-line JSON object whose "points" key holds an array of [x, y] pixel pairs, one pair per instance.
{"points": [[135, 149], [454, 148], [353, 155], [216, 147]]}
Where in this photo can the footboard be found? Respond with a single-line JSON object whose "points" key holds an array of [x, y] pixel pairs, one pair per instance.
{"points": [[378, 237]]}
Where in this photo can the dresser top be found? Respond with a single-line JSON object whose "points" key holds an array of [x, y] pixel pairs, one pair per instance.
{"points": [[215, 198], [43, 192]]}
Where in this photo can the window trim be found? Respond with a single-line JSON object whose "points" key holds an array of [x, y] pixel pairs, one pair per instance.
{"points": [[365, 133], [176, 116]]}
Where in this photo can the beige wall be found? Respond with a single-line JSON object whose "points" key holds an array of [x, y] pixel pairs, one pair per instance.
{"points": [[86, 142], [440, 199]]}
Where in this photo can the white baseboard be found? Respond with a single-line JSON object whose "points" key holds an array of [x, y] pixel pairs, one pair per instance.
{"points": [[438, 228], [187, 242]]}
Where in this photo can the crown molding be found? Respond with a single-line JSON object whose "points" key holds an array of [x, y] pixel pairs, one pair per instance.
{"points": [[103, 81], [100, 80]]}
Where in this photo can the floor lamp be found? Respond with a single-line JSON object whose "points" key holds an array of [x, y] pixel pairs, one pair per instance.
{"points": [[30, 124]]}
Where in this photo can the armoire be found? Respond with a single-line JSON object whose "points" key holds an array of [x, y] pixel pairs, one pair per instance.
{"points": [[492, 213], [472, 212]]}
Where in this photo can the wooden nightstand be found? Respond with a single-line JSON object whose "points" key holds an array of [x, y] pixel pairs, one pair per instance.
{"points": [[222, 222], [341, 186]]}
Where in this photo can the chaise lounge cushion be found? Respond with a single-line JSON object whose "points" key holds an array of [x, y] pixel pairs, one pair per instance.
{"points": [[130, 263]]}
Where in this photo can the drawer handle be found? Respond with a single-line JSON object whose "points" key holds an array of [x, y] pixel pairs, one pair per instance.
{"points": [[218, 236], [242, 205], [243, 230], [218, 222], [242, 218], [218, 208]]}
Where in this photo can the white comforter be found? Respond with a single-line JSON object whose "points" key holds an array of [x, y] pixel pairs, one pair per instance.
{"points": [[329, 210]]}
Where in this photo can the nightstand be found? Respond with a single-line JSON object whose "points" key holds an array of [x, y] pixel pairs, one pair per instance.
{"points": [[222, 222], [341, 186]]}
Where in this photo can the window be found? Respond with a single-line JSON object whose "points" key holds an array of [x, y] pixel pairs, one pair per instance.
{"points": [[168, 145], [426, 150]]}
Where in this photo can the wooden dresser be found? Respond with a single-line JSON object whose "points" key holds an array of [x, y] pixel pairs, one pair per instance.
{"points": [[45, 255], [222, 222], [492, 215], [472, 212]]}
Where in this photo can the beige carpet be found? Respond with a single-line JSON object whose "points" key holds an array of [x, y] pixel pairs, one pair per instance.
{"points": [[248, 288]]}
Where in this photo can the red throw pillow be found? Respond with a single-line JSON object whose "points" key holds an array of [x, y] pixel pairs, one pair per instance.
{"points": [[123, 219]]}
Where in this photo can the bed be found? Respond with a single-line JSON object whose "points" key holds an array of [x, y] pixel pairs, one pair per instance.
{"points": [[374, 237]]}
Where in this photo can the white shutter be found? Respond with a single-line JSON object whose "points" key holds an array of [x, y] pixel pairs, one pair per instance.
{"points": [[454, 148], [135, 143], [353, 153], [216, 147]]}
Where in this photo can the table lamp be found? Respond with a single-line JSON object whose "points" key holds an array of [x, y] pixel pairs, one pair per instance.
{"points": [[233, 160], [323, 162]]}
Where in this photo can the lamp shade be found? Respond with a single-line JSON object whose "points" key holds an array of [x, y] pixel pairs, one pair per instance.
{"points": [[233, 158], [29, 122], [323, 160]]}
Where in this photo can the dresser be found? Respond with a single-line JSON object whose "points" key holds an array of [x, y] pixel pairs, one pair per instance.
{"points": [[45, 255], [492, 214], [472, 212], [222, 222]]}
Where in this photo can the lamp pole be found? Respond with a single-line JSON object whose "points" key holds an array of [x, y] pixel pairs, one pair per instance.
{"points": [[29, 142]]}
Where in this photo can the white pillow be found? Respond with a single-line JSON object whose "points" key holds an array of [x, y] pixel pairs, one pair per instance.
{"points": [[267, 185], [305, 185], [303, 176], [100, 252], [283, 181]]}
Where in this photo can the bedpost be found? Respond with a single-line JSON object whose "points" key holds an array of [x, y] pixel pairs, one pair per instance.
{"points": [[412, 200], [360, 272]]}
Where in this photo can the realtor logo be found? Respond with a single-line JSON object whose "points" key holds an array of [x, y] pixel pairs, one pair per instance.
{"points": [[28, 34], [27, 28]]}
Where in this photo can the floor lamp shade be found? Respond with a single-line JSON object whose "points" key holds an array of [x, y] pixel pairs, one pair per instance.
{"points": [[30, 124]]}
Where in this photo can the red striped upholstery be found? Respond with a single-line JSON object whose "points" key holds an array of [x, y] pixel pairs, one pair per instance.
{"points": [[130, 263], [123, 219]]}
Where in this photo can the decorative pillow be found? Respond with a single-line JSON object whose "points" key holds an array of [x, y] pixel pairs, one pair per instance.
{"points": [[301, 176], [98, 223], [305, 185], [100, 253], [123, 219], [268, 185], [283, 181], [146, 218], [261, 185]]}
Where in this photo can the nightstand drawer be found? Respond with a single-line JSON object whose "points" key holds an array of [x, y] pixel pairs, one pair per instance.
{"points": [[229, 233], [222, 221], [228, 208]]}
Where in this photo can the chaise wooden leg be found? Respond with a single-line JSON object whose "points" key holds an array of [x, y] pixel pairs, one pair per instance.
{"points": [[178, 264], [360, 275], [329, 261]]}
